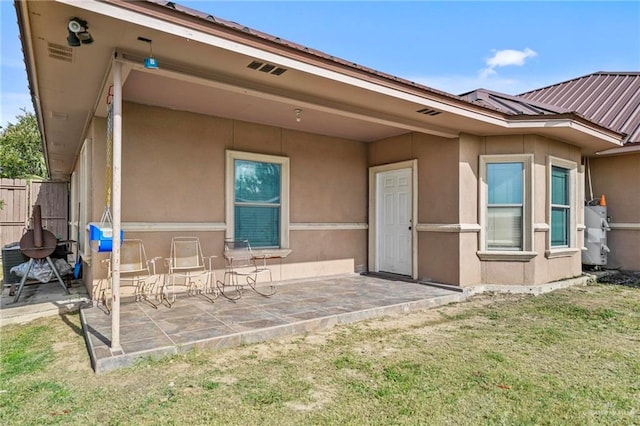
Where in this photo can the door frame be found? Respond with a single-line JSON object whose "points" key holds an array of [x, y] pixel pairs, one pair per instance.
{"points": [[373, 212]]}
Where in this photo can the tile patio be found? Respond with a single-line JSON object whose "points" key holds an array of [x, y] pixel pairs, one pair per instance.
{"points": [[298, 307]]}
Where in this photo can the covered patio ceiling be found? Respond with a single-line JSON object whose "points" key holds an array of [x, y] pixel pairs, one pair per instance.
{"points": [[211, 69]]}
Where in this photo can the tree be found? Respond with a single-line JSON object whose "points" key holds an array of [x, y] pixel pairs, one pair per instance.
{"points": [[21, 149]]}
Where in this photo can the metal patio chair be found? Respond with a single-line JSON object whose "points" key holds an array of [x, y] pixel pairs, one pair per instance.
{"points": [[135, 269], [242, 268], [188, 265]]}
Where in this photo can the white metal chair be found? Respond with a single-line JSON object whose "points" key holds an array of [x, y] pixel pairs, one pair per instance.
{"points": [[189, 265], [242, 268], [135, 269]]}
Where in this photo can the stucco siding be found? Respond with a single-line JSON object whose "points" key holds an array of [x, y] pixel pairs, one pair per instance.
{"points": [[328, 178], [173, 175], [437, 197], [172, 165], [618, 179], [438, 260]]}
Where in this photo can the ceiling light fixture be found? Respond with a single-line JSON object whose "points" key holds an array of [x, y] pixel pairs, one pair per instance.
{"points": [[77, 32], [298, 112], [150, 62]]}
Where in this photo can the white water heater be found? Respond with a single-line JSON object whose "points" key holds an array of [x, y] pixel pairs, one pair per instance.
{"points": [[595, 238]]}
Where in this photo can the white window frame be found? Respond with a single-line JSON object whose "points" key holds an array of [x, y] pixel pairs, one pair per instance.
{"points": [[231, 156], [572, 168], [526, 253]]}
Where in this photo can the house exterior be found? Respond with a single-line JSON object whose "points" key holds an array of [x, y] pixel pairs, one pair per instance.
{"points": [[331, 166], [611, 99]]}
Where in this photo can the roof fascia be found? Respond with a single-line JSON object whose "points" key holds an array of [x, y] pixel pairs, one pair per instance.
{"points": [[24, 27], [633, 149], [568, 120]]}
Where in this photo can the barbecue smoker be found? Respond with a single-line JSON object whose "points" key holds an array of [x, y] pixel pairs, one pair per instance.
{"points": [[38, 243]]}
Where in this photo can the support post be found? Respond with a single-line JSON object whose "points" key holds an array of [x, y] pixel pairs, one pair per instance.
{"points": [[116, 194]]}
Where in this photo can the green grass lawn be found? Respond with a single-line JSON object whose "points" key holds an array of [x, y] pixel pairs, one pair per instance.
{"points": [[567, 357]]}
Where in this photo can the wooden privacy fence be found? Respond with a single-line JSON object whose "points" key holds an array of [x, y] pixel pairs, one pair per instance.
{"points": [[18, 197]]}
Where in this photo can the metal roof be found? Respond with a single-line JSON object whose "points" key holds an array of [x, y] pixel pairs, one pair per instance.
{"points": [[511, 105], [611, 99]]}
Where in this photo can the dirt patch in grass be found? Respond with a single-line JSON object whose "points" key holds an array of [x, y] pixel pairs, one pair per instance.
{"points": [[567, 357], [626, 278]]}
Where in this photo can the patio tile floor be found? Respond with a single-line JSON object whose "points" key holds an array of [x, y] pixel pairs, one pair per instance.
{"points": [[297, 308]]}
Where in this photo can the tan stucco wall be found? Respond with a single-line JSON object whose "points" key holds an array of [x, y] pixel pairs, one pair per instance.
{"points": [[618, 178], [438, 182], [468, 199], [173, 171], [448, 184]]}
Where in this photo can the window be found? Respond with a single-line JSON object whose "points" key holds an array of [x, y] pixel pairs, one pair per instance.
{"points": [[257, 199], [506, 230], [562, 190], [504, 206], [560, 207]]}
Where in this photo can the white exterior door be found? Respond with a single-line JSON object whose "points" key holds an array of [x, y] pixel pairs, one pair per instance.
{"points": [[394, 213]]}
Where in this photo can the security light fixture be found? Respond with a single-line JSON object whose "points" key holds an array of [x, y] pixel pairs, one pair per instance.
{"points": [[78, 33]]}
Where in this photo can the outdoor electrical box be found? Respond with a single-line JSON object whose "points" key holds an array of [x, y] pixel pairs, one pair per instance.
{"points": [[595, 239]]}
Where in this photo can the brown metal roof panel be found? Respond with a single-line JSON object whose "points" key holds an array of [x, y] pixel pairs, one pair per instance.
{"points": [[619, 110], [618, 95], [509, 104], [611, 99]]}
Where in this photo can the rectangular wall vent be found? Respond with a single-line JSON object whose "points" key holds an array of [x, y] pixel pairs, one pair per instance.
{"points": [[63, 53], [429, 111], [267, 68]]}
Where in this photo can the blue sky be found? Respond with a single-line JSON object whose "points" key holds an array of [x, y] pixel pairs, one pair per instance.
{"points": [[455, 46]]}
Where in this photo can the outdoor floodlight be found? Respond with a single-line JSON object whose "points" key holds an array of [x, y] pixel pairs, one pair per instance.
{"points": [[78, 33]]}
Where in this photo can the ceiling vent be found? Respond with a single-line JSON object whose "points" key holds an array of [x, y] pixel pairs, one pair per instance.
{"points": [[429, 111], [63, 53], [267, 68]]}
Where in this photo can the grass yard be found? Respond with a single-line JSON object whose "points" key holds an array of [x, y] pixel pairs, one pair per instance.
{"points": [[568, 357]]}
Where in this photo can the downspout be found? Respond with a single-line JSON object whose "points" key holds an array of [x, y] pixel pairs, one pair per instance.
{"points": [[32, 74], [116, 193]]}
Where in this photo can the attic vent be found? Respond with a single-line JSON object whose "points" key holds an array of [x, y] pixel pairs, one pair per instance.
{"points": [[267, 68], [429, 111], [63, 53]]}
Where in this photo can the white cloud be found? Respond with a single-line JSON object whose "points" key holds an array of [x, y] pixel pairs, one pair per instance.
{"points": [[504, 58]]}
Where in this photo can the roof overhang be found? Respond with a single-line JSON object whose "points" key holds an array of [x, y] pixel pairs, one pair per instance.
{"points": [[632, 148], [204, 69]]}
